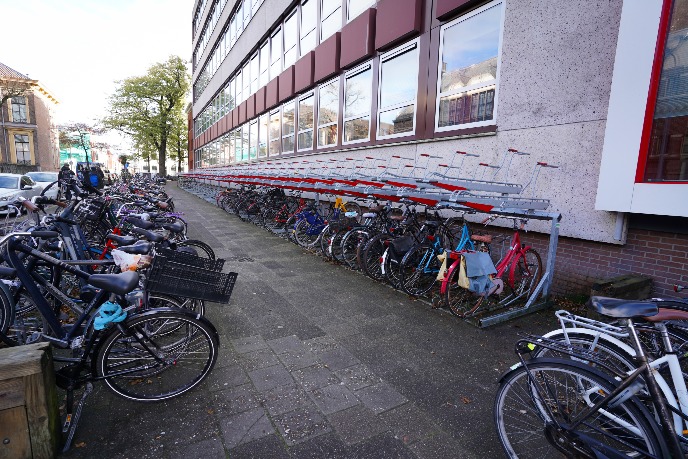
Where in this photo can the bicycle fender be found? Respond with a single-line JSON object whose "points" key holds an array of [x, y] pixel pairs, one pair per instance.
{"points": [[555, 334], [450, 271]]}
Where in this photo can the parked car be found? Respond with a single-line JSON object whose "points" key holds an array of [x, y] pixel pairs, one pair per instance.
{"points": [[44, 179], [14, 185]]}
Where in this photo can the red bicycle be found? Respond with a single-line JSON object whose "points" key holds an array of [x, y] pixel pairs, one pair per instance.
{"points": [[518, 274]]}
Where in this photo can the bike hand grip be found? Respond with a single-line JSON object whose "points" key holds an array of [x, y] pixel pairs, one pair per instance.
{"points": [[44, 234]]}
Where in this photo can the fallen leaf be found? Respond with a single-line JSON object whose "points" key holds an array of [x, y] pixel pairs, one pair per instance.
{"points": [[466, 400], [211, 411], [81, 444]]}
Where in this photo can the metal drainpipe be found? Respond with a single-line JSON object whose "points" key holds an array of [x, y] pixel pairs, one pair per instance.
{"points": [[620, 224]]}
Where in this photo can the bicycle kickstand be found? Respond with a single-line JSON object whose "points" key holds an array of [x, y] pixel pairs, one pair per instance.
{"points": [[72, 417]]}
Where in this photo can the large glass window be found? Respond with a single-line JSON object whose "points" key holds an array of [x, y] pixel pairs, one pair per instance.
{"points": [[274, 128], [239, 89], [276, 53], [468, 71], [305, 139], [331, 14], [246, 77], [256, 4], [233, 147], [309, 19], [22, 148], [358, 88], [19, 109], [356, 7], [240, 20], [244, 142], [264, 64], [232, 93], [253, 139], [667, 157], [290, 40], [247, 12], [328, 113], [398, 90], [288, 110], [233, 30], [263, 136], [255, 70]]}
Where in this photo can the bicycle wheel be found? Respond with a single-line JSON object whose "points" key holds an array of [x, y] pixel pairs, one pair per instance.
{"points": [[418, 270], [157, 355], [534, 406], [354, 207], [459, 300], [336, 244], [527, 274], [325, 237], [306, 235], [372, 255], [350, 244], [391, 266], [202, 249]]}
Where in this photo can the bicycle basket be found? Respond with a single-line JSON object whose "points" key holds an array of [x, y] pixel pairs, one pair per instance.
{"points": [[188, 281], [186, 258]]}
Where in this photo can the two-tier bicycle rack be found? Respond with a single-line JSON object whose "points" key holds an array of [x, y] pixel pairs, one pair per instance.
{"points": [[382, 179]]}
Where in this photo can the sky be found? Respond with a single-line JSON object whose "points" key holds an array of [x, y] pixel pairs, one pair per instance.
{"points": [[78, 48]]}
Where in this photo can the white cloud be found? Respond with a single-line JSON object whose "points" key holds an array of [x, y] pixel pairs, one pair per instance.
{"points": [[79, 48]]}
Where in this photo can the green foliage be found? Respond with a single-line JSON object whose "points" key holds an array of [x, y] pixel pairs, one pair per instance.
{"points": [[147, 108]]}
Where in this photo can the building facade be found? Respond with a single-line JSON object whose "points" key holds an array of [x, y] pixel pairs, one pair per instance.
{"points": [[593, 86], [28, 134]]}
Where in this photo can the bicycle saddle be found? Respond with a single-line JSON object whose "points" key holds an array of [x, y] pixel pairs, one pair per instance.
{"points": [[137, 222], [149, 235], [622, 309], [174, 227], [121, 240], [668, 314], [377, 209], [118, 284], [140, 248]]}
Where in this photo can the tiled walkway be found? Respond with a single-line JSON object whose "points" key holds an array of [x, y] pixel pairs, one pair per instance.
{"points": [[316, 361]]}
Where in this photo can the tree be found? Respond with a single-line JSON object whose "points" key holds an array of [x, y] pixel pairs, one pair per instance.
{"points": [[179, 141], [145, 107], [78, 135]]}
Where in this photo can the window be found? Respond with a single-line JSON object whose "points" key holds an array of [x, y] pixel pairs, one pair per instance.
{"points": [[305, 139], [358, 88], [247, 12], [469, 68], [309, 19], [19, 109], [263, 136], [667, 158], [246, 77], [290, 39], [232, 147], [398, 91], [232, 93], [288, 110], [274, 128], [255, 70], [264, 64], [239, 88], [22, 148], [253, 139], [328, 113], [226, 155], [331, 13], [233, 30], [255, 6], [240, 20], [356, 7], [276, 53], [244, 142]]}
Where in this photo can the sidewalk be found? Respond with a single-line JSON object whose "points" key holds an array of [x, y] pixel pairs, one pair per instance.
{"points": [[316, 361]]}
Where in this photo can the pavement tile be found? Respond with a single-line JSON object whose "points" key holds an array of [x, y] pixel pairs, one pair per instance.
{"points": [[357, 377], [267, 378], [409, 423], [245, 427], [286, 398], [315, 377], [382, 446], [380, 397], [297, 360], [260, 358], [212, 447], [339, 330], [331, 399], [442, 446], [270, 447], [339, 358], [248, 344], [321, 344], [287, 344], [326, 446], [356, 424], [301, 424], [222, 378], [235, 400]]}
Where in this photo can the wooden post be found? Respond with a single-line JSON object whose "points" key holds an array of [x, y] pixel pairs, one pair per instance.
{"points": [[29, 416]]}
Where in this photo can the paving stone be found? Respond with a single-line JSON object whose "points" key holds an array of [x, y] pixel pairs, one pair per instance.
{"points": [[338, 358], [270, 447], [245, 427], [339, 330], [282, 399], [248, 344], [357, 376], [331, 399], [380, 397], [321, 344], [260, 358], [409, 423], [356, 424], [235, 400], [290, 343], [442, 446], [298, 359], [315, 377], [301, 424], [383, 446], [223, 378], [212, 447], [326, 446], [267, 378]]}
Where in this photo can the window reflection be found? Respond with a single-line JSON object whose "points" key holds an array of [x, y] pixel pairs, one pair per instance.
{"points": [[328, 113], [357, 104]]}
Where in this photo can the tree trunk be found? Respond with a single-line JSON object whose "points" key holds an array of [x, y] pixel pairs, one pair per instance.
{"points": [[162, 157]]}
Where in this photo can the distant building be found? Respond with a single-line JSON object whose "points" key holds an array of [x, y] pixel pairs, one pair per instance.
{"points": [[28, 134]]}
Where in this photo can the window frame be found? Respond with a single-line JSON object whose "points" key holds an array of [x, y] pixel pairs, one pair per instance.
{"points": [[440, 95], [293, 103], [366, 66], [340, 108], [389, 55], [263, 130], [313, 31], [22, 142], [297, 123], [297, 38], [277, 31], [24, 104], [321, 19], [276, 111]]}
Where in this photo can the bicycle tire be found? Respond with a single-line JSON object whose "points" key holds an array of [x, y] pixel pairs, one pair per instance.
{"points": [[353, 207], [325, 236], [130, 370], [527, 274], [418, 270], [350, 245], [458, 300], [372, 253], [301, 236], [202, 249], [522, 421]]}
